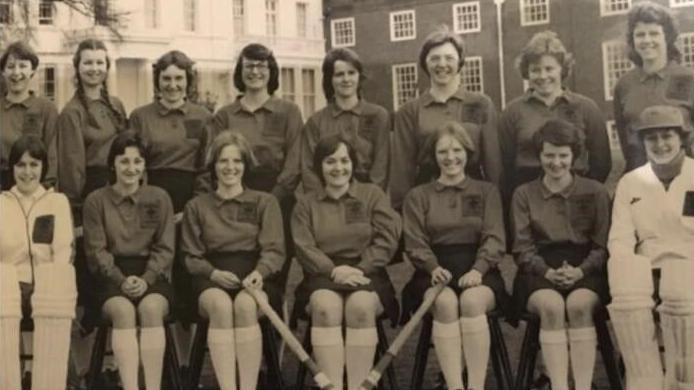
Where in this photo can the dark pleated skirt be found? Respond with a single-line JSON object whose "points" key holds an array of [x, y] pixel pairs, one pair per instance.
{"points": [[380, 284], [241, 263], [554, 255], [458, 259], [105, 289]]}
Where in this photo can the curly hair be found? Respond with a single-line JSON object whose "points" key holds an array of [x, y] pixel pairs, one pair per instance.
{"points": [[541, 44], [650, 12], [439, 37], [181, 61]]}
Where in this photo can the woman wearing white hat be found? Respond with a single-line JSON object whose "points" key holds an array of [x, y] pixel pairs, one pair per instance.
{"points": [[653, 232]]}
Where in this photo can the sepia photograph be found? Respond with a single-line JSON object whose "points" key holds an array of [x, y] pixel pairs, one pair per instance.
{"points": [[347, 194]]}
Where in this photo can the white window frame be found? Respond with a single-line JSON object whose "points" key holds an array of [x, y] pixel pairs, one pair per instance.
{"points": [[524, 16], [46, 6], [8, 5], [397, 87], [457, 10], [466, 74], [353, 38], [613, 135], [608, 46], [151, 15], [605, 11], [44, 81], [681, 3], [190, 15], [271, 17], [686, 43], [308, 94], [301, 19], [288, 83], [239, 17], [394, 24]]}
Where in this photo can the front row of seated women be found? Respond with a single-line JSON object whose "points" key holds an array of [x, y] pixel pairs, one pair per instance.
{"points": [[345, 234]]}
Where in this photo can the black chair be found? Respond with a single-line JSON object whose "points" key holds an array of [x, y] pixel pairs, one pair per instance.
{"points": [[531, 346], [498, 352], [171, 377], [381, 349], [270, 353]]}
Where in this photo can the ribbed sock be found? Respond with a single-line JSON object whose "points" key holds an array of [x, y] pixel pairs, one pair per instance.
{"points": [[249, 346], [223, 355], [360, 349], [476, 341], [329, 350], [126, 354], [152, 346], [555, 352], [582, 342], [447, 344]]}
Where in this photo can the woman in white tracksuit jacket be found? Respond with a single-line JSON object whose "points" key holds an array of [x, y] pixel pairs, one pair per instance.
{"points": [[651, 243], [36, 274]]}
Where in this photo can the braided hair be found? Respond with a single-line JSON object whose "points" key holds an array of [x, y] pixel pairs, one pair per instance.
{"points": [[95, 44]]}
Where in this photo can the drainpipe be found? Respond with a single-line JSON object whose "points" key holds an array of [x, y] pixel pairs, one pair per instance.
{"points": [[500, 44]]}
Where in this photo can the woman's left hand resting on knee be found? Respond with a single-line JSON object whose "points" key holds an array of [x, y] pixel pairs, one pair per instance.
{"points": [[469, 279], [253, 280], [350, 276]]}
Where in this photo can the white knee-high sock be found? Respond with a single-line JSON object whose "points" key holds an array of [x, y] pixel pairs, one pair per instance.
{"points": [[476, 341], [446, 340], [360, 349], [51, 351], [249, 345], [9, 354], [555, 352], [152, 345], [222, 352], [126, 354], [329, 350], [582, 342]]}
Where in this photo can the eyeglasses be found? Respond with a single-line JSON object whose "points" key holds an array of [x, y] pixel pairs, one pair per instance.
{"points": [[255, 65]]}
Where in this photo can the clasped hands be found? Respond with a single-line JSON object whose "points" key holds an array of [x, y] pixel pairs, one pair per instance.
{"points": [[469, 279], [133, 286], [565, 276], [351, 276], [229, 280]]}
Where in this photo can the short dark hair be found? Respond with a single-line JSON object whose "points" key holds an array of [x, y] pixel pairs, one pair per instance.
{"points": [[32, 144], [650, 12], [327, 146], [20, 51], [559, 132], [124, 140], [182, 61], [340, 54], [542, 44], [439, 37], [221, 141], [257, 52]]}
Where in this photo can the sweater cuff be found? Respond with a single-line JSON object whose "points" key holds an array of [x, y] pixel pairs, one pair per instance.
{"points": [[481, 266], [117, 276], [366, 267], [538, 266], [150, 277], [264, 270]]}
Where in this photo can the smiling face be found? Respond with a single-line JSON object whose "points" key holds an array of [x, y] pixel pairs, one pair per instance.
{"points": [[442, 64], [649, 41], [17, 74], [337, 168], [229, 167], [544, 76], [172, 85], [93, 67], [345, 79], [27, 174], [255, 74], [129, 167], [451, 157], [556, 160], [662, 145]]}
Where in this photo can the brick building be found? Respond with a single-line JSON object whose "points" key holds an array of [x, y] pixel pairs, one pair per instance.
{"points": [[387, 34]]}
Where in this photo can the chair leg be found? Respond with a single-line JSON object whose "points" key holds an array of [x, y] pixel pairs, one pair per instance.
{"points": [[171, 360], [97, 359], [422, 353], [271, 352], [197, 355], [500, 359], [383, 346], [526, 363], [607, 352]]}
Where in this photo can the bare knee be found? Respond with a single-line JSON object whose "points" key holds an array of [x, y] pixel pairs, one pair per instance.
{"points": [[326, 308], [361, 309], [550, 306], [245, 310], [580, 305], [476, 301], [445, 307], [120, 311], [152, 310], [216, 305]]}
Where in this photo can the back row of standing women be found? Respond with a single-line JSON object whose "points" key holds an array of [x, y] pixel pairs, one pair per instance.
{"points": [[176, 135]]}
